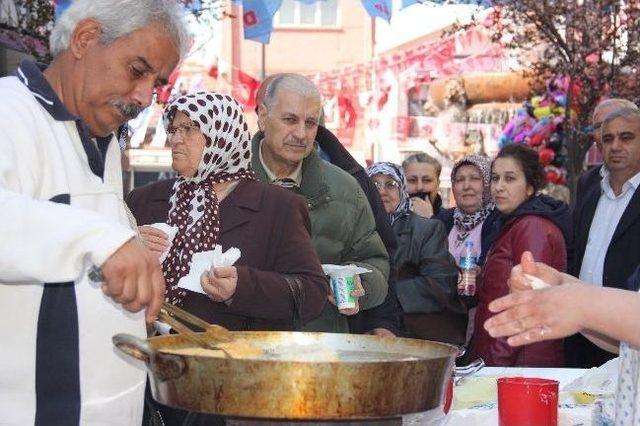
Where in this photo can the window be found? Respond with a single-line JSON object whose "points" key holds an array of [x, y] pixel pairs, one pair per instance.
{"points": [[417, 98], [323, 13]]}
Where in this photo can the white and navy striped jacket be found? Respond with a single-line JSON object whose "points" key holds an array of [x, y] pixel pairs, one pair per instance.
{"points": [[61, 211]]}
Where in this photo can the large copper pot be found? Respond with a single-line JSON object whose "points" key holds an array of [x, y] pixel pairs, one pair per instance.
{"points": [[372, 377]]}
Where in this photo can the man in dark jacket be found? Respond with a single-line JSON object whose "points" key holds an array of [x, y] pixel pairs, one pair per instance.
{"points": [[342, 223], [387, 315], [607, 215]]}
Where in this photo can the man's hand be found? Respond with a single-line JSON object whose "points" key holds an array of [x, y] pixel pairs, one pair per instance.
{"points": [[133, 278], [422, 207], [357, 292], [155, 240], [519, 282], [220, 283]]}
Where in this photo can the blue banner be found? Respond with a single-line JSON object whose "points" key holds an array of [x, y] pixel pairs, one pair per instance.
{"points": [[257, 18], [407, 3], [379, 8], [61, 6], [480, 3], [194, 5]]}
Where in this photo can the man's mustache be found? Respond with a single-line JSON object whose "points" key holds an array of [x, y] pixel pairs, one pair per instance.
{"points": [[128, 110]]}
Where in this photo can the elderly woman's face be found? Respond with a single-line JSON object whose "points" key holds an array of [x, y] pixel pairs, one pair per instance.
{"points": [[187, 145], [468, 188], [389, 191]]}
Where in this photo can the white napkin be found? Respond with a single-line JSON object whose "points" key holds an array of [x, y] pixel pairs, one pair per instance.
{"points": [[205, 260], [600, 381], [343, 270], [171, 232]]}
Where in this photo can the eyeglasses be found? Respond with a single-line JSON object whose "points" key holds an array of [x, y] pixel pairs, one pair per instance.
{"points": [[389, 185], [184, 130]]}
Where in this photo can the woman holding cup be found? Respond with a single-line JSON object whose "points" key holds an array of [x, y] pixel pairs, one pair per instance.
{"points": [[427, 275], [216, 200]]}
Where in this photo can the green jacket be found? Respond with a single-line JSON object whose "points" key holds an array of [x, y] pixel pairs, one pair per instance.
{"points": [[343, 231]]}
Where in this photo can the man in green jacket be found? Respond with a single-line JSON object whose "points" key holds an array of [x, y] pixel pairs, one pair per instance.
{"points": [[342, 224]]}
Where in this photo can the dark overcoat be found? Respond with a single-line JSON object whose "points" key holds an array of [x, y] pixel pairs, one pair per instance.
{"points": [[271, 227]]}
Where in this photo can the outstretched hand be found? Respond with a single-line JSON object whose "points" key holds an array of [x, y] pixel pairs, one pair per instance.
{"points": [[535, 315], [527, 316]]}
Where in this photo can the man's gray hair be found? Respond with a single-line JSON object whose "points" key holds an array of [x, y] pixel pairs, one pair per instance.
{"points": [[611, 102], [119, 18], [627, 113], [291, 82]]}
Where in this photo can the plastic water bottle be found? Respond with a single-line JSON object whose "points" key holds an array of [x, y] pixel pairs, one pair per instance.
{"points": [[469, 265]]}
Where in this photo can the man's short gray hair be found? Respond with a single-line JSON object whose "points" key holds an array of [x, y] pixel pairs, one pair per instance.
{"points": [[627, 113], [611, 102], [119, 18], [291, 82]]}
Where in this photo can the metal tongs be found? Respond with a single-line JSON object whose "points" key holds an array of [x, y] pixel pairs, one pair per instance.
{"points": [[213, 334], [175, 317], [466, 371]]}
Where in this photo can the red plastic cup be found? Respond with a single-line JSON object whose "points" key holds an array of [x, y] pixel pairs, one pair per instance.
{"points": [[525, 401]]}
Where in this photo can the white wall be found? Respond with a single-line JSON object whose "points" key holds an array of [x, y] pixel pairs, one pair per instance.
{"points": [[416, 21]]}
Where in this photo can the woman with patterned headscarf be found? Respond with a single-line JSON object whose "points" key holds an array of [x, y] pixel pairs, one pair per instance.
{"points": [[473, 218], [216, 200], [427, 276], [278, 283]]}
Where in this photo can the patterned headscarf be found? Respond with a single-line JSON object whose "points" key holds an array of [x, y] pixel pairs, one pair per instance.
{"points": [[466, 222], [194, 203], [394, 172]]}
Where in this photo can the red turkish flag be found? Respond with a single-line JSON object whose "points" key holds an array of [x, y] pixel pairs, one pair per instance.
{"points": [[244, 89], [213, 71], [164, 92]]}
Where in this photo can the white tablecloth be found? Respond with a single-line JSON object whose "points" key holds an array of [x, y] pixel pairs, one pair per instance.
{"points": [[569, 413]]}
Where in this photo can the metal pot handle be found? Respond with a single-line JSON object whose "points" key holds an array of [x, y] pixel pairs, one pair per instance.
{"points": [[163, 366], [134, 346]]}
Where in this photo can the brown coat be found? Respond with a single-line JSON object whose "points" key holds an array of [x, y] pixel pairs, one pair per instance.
{"points": [[271, 227]]}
